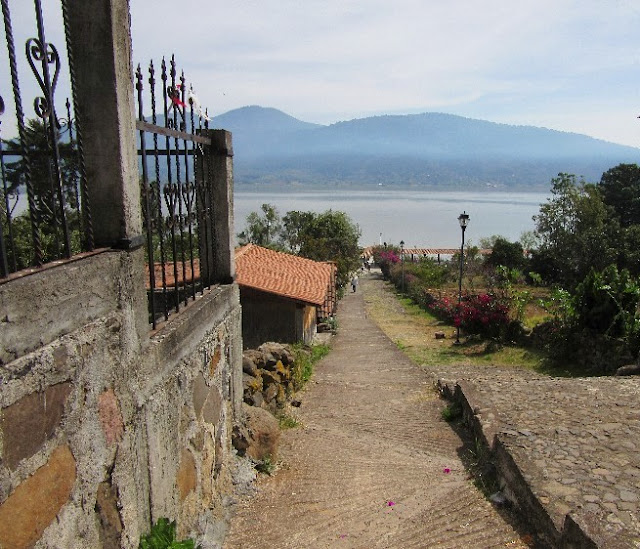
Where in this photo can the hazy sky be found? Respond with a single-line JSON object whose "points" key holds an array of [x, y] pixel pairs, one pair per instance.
{"points": [[571, 65], [562, 64]]}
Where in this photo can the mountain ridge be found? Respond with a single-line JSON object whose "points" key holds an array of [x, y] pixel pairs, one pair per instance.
{"points": [[424, 149]]}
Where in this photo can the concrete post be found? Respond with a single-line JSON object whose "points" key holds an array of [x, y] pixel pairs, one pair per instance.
{"points": [[101, 50], [220, 156]]}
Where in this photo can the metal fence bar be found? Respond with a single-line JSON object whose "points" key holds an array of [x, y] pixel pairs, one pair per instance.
{"points": [[159, 225], [146, 196]]}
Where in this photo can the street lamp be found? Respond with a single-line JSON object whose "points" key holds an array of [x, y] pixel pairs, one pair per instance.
{"points": [[463, 219], [402, 259]]}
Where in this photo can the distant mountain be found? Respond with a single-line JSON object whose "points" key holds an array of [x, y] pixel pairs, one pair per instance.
{"points": [[430, 149], [261, 120]]}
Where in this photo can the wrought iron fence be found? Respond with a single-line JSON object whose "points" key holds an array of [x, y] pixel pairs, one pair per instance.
{"points": [[176, 183], [44, 212]]}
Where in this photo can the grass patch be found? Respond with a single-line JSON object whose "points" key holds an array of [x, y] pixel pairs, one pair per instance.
{"points": [[287, 422], [413, 330], [478, 463], [305, 356], [163, 536]]}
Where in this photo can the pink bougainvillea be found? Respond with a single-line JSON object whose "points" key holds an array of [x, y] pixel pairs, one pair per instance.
{"points": [[482, 314]]}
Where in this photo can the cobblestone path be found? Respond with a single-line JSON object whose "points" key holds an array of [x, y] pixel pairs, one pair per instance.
{"points": [[374, 465]]}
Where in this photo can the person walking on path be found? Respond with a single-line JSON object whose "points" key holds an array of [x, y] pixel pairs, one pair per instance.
{"points": [[354, 282], [372, 464]]}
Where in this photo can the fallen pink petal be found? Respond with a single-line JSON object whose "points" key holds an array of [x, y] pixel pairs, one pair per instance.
{"points": [[391, 503], [446, 470]]}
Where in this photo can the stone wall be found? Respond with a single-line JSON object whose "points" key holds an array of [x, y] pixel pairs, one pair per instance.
{"points": [[268, 376], [104, 428]]}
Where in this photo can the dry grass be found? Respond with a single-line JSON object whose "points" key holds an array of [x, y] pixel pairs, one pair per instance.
{"points": [[413, 330]]}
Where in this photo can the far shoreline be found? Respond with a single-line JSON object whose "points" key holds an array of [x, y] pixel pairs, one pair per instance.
{"points": [[258, 188]]}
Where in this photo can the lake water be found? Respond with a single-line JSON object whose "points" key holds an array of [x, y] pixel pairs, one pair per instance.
{"points": [[420, 218]]}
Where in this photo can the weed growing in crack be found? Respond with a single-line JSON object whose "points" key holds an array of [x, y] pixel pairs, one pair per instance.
{"points": [[482, 469], [452, 412]]}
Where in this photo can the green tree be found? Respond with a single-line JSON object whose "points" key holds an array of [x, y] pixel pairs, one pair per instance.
{"points": [[329, 236], [507, 254], [620, 188], [262, 228], [295, 226], [48, 209], [576, 230], [38, 146]]}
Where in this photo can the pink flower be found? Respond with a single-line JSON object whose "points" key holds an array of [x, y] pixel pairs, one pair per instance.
{"points": [[391, 503], [446, 470]]}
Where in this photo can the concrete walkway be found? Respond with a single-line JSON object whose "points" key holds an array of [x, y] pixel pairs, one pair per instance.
{"points": [[374, 465]]}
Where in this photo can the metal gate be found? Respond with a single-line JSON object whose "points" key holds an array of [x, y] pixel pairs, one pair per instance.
{"points": [[176, 184]]}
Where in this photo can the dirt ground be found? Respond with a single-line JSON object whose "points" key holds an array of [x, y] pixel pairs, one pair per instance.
{"points": [[373, 463]]}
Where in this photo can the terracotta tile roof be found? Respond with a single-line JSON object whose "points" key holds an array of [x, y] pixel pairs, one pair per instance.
{"points": [[169, 273], [284, 274], [367, 252]]}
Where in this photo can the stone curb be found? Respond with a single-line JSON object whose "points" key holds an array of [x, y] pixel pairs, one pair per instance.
{"points": [[565, 532]]}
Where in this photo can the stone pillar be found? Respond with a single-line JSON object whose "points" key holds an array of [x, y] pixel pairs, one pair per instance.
{"points": [[220, 157], [101, 50]]}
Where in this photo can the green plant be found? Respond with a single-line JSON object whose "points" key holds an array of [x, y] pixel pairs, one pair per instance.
{"points": [[287, 422], [304, 358], [478, 462], [452, 412], [332, 321], [401, 345], [163, 536], [517, 298], [266, 466]]}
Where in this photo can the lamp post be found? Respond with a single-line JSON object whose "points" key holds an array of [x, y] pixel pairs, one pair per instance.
{"points": [[463, 219], [402, 259]]}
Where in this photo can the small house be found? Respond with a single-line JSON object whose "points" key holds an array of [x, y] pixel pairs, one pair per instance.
{"points": [[283, 296]]}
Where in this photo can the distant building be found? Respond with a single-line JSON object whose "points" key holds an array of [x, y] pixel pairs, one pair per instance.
{"points": [[282, 295]]}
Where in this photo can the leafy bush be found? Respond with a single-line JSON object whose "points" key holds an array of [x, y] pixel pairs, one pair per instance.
{"points": [[598, 326], [607, 302]]}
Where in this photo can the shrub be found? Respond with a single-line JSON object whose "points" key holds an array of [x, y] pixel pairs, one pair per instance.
{"points": [[305, 357], [484, 314], [387, 259], [418, 276]]}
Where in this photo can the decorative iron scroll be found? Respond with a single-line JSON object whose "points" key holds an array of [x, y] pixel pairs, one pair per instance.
{"points": [[44, 164], [44, 54]]}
